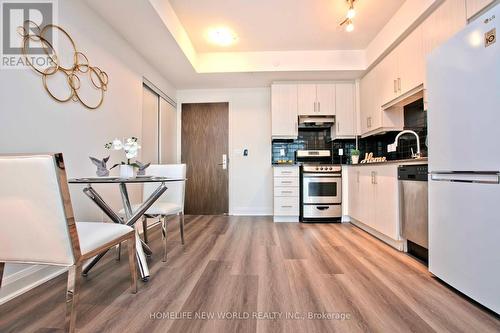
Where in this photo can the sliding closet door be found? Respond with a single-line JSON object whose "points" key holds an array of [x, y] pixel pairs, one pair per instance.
{"points": [[150, 117], [168, 132]]}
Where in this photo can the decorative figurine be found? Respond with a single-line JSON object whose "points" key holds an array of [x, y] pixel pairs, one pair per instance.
{"points": [[142, 168], [102, 170]]}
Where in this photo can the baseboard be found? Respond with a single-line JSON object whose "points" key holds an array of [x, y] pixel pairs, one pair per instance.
{"points": [[251, 211], [286, 219], [20, 282], [397, 244]]}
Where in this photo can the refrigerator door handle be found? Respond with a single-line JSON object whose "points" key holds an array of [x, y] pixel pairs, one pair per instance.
{"points": [[467, 177]]}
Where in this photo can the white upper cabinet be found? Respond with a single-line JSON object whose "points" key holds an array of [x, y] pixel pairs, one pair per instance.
{"points": [[449, 18], [345, 110], [373, 119], [325, 94], [316, 99], [475, 6], [284, 110], [411, 64], [307, 99], [403, 69], [388, 85]]}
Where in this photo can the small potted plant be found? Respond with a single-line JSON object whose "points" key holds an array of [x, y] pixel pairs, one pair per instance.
{"points": [[131, 148], [355, 156]]}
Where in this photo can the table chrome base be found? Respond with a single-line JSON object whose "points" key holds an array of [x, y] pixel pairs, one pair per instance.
{"points": [[142, 249]]}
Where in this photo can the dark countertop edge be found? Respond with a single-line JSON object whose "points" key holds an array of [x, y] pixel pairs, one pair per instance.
{"points": [[423, 160]]}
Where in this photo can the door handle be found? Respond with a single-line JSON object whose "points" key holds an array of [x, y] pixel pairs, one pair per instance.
{"points": [[224, 162]]}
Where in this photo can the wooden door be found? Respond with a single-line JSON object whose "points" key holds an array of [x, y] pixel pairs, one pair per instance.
{"points": [[325, 94], [204, 142]]}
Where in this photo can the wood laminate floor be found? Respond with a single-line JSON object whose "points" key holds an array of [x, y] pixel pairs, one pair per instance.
{"points": [[235, 269]]}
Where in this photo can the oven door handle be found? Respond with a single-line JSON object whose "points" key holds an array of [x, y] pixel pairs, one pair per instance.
{"points": [[322, 207], [316, 175]]}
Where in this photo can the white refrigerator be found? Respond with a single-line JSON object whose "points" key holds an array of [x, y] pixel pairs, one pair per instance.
{"points": [[464, 160]]}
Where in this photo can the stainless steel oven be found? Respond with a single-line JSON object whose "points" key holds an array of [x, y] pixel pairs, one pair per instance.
{"points": [[321, 192]]}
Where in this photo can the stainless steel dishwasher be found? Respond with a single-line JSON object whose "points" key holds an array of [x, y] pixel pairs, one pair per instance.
{"points": [[414, 208]]}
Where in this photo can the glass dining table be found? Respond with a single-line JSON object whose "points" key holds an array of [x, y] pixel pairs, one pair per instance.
{"points": [[130, 217]]}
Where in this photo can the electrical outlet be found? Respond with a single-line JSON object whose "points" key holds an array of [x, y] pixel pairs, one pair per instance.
{"points": [[341, 152], [391, 148]]}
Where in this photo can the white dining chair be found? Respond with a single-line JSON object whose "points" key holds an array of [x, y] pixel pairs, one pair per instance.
{"points": [[169, 204], [38, 226]]}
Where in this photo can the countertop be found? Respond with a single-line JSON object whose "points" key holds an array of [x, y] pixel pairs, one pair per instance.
{"points": [[422, 160]]}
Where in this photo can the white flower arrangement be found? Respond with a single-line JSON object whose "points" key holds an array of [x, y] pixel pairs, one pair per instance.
{"points": [[130, 146]]}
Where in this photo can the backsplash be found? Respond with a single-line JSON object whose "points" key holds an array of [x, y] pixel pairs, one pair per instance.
{"points": [[415, 119]]}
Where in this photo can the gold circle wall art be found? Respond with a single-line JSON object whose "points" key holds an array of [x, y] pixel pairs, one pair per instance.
{"points": [[78, 71]]}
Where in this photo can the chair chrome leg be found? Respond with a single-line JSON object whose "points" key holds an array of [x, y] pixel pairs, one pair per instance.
{"points": [[132, 264], [72, 291], [145, 229], [2, 265], [164, 233], [181, 226], [118, 252]]}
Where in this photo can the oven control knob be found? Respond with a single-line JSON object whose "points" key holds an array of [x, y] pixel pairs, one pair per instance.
{"points": [[317, 168], [330, 168], [321, 168]]}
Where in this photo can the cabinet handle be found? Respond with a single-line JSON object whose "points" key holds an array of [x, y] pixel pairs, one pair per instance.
{"points": [[319, 107], [315, 106], [286, 206], [286, 192], [395, 86], [286, 172], [374, 177], [338, 127], [399, 84], [286, 182]]}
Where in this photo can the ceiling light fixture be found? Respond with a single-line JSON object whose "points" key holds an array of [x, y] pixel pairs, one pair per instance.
{"points": [[222, 36], [347, 22]]}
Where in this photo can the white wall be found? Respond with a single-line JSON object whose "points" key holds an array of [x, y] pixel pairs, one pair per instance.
{"points": [[250, 178], [30, 121]]}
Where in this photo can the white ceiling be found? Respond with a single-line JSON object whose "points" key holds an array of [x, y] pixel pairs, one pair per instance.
{"points": [[284, 25], [153, 29]]}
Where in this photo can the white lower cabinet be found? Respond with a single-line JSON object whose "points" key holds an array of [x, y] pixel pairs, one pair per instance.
{"points": [[286, 194], [374, 199]]}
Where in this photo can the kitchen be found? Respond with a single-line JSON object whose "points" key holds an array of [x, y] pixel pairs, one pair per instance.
{"points": [[330, 168], [321, 129]]}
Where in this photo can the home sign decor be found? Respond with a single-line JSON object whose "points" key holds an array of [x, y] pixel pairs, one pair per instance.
{"points": [[32, 33]]}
